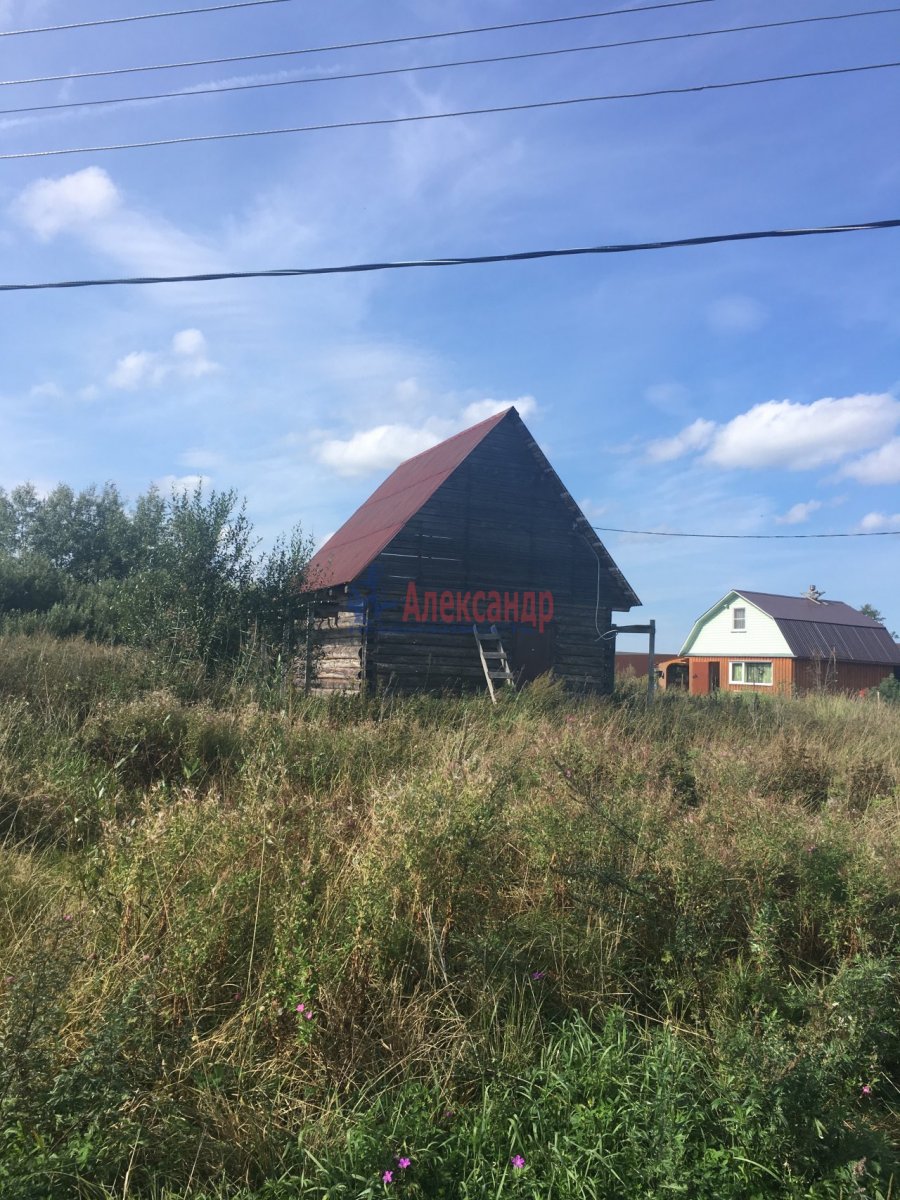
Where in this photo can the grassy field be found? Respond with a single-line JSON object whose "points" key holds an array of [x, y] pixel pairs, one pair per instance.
{"points": [[256, 946]]}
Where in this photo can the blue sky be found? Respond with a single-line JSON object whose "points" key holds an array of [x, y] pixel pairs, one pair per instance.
{"points": [[741, 388]]}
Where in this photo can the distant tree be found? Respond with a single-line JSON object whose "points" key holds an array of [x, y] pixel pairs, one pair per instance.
{"points": [[870, 610]]}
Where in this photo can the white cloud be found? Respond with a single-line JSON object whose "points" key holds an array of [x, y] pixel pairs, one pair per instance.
{"points": [[881, 466], [694, 437], [168, 484], [874, 522], [189, 342], [375, 449], [736, 314], [799, 513], [801, 437], [797, 437], [480, 410], [134, 370], [89, 204], [49, 206], [187, 359]]}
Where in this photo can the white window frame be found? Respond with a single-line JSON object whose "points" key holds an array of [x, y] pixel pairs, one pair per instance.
{"points": [[735, 628], [742, 663]]}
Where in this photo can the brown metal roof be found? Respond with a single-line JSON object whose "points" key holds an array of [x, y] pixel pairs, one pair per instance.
{"points": [[827, 628], [801, 608], [361, 539], [844, 642]]}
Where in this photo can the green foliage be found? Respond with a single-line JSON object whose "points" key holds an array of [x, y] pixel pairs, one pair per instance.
{"points": [[180, 575], [889, 689], [652, 953]]}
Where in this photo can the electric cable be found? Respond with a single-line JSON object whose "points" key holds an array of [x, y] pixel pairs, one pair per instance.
{"points": [[372, 122], [468, 260], [756, 537], [392, 41], [216, 89], [154, 16]]}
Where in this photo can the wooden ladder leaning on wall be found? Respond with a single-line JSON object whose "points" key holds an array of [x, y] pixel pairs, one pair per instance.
{"points": [[493, 661]]}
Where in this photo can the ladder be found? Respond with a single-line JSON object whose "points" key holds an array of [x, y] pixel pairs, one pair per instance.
{"points": [[493, 660]]}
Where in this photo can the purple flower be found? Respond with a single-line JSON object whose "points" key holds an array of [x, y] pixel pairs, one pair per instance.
{"points": [[403, 1163], [387, 1177], [518, 1162], [538, 974]]}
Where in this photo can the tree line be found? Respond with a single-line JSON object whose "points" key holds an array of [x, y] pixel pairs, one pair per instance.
{"points": [[181, 572]]}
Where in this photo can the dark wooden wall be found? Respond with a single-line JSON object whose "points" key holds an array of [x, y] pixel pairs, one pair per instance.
{"points": [[498, 523]]}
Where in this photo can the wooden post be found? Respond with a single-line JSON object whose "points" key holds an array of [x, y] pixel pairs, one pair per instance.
{"points": [[307, 666]]}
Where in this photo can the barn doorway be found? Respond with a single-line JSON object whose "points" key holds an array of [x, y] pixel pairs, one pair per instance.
{"points": [[714, 677], [532, 652]]}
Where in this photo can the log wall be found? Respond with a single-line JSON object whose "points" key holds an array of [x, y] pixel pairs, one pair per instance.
{"points": [[501, 522]]}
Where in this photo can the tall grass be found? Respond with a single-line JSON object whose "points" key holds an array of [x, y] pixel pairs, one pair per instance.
{"points": [[648, 953]]}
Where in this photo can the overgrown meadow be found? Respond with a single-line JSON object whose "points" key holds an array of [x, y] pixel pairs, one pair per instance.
{"points": [[260, 946]]}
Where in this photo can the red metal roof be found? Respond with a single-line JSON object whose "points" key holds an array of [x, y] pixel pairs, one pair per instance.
{"points": [[361, 539]]}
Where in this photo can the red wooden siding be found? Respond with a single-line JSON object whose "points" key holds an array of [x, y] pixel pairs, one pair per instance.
{"points": [[788, 675]]}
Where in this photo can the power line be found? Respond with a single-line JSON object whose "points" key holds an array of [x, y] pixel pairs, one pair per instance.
{"points": [[758, 537], [393, 41], [469, 260], [466, 62], [371, 122], [154, 16]]}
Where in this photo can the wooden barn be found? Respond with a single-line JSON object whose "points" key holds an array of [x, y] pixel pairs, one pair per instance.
{"points": [[756, 641], [477, 532]]}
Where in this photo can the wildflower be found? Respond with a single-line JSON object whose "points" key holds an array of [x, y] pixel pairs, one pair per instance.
{"points": [[309, 1016], [866, 1090], [387, 1177], [300, 1007], [237, 996], [403, 1163], [518, 1162], [537, 975], [67, 917]]}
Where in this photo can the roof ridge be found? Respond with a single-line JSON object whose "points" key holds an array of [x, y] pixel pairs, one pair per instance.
{"points": [[453, 436]]}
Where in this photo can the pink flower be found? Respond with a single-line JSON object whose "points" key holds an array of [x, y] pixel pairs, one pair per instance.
{"points": [[403, 1163], [518, 1162], [300, 1007], [866, 1090], [537, 975], [387, 1177], [309, 1016]]}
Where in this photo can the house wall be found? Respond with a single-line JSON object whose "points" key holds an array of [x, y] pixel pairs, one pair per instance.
{"points": [[335, 654], [717, 637], [839, 676], [499, 523], [788, 675], [698, 674]]}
